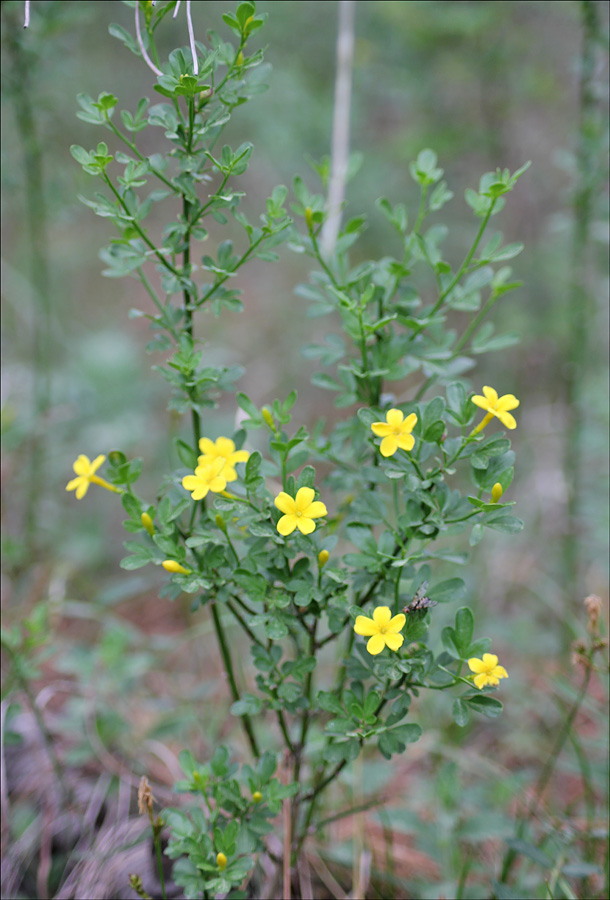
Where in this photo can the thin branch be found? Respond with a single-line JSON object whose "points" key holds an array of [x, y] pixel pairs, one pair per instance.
{"points": [[341, 115], [176, 9], [189, 22], [26, 20], [145, 55]]}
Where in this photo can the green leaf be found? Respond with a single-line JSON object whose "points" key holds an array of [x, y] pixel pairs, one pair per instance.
{"points": [[461, 715], [448, 591], [531, 851], [487, 706], [248, 705]]}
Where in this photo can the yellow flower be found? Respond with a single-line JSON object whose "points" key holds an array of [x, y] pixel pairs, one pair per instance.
{"points": [[170, 565], [495, 406], [496, 492], [208, 477], [224, 449], [396, 432], [85, 471], [299, 512], [221, 861], [487, 670], [382, 629]]}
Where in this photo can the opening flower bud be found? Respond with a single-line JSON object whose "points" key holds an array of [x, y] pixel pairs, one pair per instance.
{"points": [[147, 522], [309, 217], [221, 861], [240, 59], [266, 414], [257, 797], [496, 492], [170, 565], [323, 557]]}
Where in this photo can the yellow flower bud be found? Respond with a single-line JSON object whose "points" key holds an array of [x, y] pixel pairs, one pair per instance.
{"points": [[266, 414], [147, 522], [240, 59], [257, 797], [220, 522], [221, 861], [309, 217], [170, 565], [496, 492], [323, 557]]}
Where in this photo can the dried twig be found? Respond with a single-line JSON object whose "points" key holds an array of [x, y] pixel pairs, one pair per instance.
{"points": [[145, 55], [340, 136], [26, 18], [189, 23]]}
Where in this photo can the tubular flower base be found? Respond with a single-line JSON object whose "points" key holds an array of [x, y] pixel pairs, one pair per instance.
{"points": [[495, 406], [382, 630], [223, 448], [299, 512], [396, 432], [170, 565], [208, 477], [487, 671], [85, 471]]}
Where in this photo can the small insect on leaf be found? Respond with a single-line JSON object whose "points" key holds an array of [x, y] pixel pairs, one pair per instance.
{"points": [[420, 603]]}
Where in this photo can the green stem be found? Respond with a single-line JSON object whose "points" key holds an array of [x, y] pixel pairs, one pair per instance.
{"points": [[466, 262], [140, 156], [228, 665], [139, 228], [157, 843]]}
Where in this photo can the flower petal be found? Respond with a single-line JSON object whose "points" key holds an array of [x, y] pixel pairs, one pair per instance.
{"points": [[97, 462], [229, 473], [382, 616], [225, 447], [409, 423], [82, 466], [315, 510], [240, 456], [381, 429], [507, 419], [72, 485], [395, 417], [480, 681], [218, 484], [365, 626], [490, 660], [82, 488], [304, 498], [500, 672], [287, 524], [285, 503], [476, 665], [394, 641], [397, 623], [508, 401], [207, 447], [480, 401], [491, 395], [389, 445], [406, 442], [305, 525], [375, 644]]}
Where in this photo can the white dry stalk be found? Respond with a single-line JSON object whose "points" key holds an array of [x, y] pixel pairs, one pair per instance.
{"points": [[26, 17], [189, 23], [145, 55], [340, 135]]}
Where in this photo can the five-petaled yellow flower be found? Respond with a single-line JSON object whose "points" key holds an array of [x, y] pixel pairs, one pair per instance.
{"points": [[208, 477], [495, 406], [487, 670], [396, 432], [382, 629], [299, 512], [85, 471], [223, 448]]}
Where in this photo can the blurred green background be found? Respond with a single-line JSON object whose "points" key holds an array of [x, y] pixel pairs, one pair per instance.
{"points": [[485, 84]]}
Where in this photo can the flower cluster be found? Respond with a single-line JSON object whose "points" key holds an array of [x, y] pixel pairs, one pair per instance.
{"points": [[215, 467]]}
